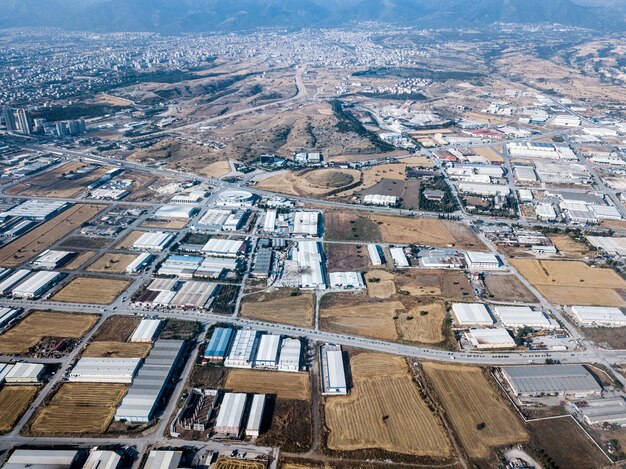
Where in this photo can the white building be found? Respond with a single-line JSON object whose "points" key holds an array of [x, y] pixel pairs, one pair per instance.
{"points": [[243, 350], [306, 223], [309, 256], [213, 219], [489, 190], [99, 459], [41, 459], [167, 212], [224, 247], [381, 200], [267, 354], [399, 258], [517, 317], [333, 372], [139, 263], [472, 314], [146, 330], [24, 373], [12, 280], [374, 253], [599, 316], [253, 428], [482, 261], [51, 259], [490, 338], [163, 459], [346, 280], [230, 416], [105, 370], [153, 241], [36, 285], [290, 351]]}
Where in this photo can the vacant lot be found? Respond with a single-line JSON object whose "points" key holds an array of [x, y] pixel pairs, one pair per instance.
{"points": [[319, 182], [172, 224], [283, 384], [482, 419], [489, 153], [14, 401], [117, 350], [572, 282], [380, 284], [508, 288], [79, 408], [41, 238], [39, 324], [98, 291], [371, 417], [79, 260], [129, 240], [569, 246], [226, 463], [423, 323], [350, 226], [84, 242], [281, 307], [408, 191], [113, 263], [448, 285], [117, 329], [346, 257], [610, 337]]}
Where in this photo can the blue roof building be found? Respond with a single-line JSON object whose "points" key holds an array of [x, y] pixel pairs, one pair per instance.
{"points": [[218, 346]]}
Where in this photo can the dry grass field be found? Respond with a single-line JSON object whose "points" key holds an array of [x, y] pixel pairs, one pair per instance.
{"points": [[41, 238], [350, 226], [380, 284], [319, 182], [427, 231], [283, 384], [346, 257], [423, 323], [170, 224], [280, 307], [384, 410], [470, 402], [79, 408], [116, 329], [362, 318], [129, 240], [445, 284], [572, 282], [117, 350], [93, 290], [112, 263], [508, 288], [490, 154], [569, 247], [14, 401], [418, 161], [79, 260], [39, 324], [216, 170], [227, 463]]}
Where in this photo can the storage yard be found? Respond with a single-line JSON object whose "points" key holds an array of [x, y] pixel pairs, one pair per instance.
{"points": [[79, 408], [283, 385], [280, 306], [33, 328], [481, 406], [41, 238], [567, 283], [14, 401], [371, 417], [95, 290]]}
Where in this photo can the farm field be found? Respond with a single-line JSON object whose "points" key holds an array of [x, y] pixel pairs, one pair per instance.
{"points": [[283, 384], [226, 463], [117, 350], [129, 240], [116, 329], [113, 263], [172, 224], [350, 226], [79, 260], [280, 307], [14, 401], [569, 247], [318, 182], [445, 284], [79, 408], [370, 417], [84, 242], [490, 154], [423, 323], [573, 282], [39, 324], [418, 161], [41, 238], [508, 288], [346, 257], [380, 284], [480, 406], [99, 291]]}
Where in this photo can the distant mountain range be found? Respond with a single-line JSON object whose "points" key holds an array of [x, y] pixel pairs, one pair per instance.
{"points": [[179, 16]]}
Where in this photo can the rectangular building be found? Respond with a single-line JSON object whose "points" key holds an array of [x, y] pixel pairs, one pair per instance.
{"points": [[399, 258], [537, 380], [224, 247], [253, 428], [290, 351], [146, 330], [490, 338], [105, 370], [51, 259], [139, 263], [309, 256], [482, 261], [219, 345], [599, 316], [374, 253], [23, 372], [153, 241], [243, 350], [160, 459], [267, 354], [346, 280], [41, 459], [230, 416], [517, 317], [472, 314], [7, 315], [36, 285], [306, 223], [6, 286], [333, 371], [102, 460]]}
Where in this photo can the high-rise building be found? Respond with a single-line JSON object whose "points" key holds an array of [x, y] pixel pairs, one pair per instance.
{"points": [[9, 118], [24, 122]]}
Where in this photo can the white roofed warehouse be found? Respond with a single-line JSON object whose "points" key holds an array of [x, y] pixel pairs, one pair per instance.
{"points": [[517, 317], [537, 380], [146, 330], [489, 338], [105, 370], [243, 350], [41, 459], [153, 241], [36, 285], [472, 314], [253, 428], [267, 354], [24, 373], [333, 371], [290, 351], [230, 417], [159, 459], [592, 316], [309, 256], [482, 261]]}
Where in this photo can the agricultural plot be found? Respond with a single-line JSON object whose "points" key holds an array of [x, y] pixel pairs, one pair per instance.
{"points": [[508, 288], [573, 282], [280, 306], [172, 224], [346, 257], [79, 260], [283, 384], [41, 238], [93, 290], [569, 247], [129, 240], [112, 263], [227, 463], [489, 153], [371, 416], [14, 401], [84, 242], [117, 350], [482, 419], [380, 284], [445, 284], [350, 226], [37, 325], [79, 408]]}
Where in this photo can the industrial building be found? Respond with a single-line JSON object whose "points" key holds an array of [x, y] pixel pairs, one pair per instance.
{"points": [[399, 258], [603, 411], [243, 350], [153, 241], [230, 416], [599, 316], [374, 252], [517, 317], [267, 354], [42, 459], [306, 223], [180, 266], [213, 219], [194, 294], [545, 212], [235, 220], [23, 373], [482, 261], [142, 261], [612, 245], [6, 286], [167, 212], [309, 255], [35, 210], [253, 427], [467, 314], [142, 397], [224, 247], [159, 459], [36, 285], [99, 459], [380, 200], [7, 315], [441, 259], [290, 351], [219, 345], [489, 190], [262, 263], [105, 370], [346, 280], [50, 259], [333, 372], [236, 198], [192, 198], [489, 338], [4, 371], [146, 330], [564, 380]]}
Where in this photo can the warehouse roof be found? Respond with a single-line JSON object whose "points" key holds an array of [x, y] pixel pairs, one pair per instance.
{"points": [[225, 247], [496, 337], [536, 379], [522, 316], [268, 348], [472, 313], [163, 459], [231, 410], [175, 211], [599, 314], [244, 345], [290, 353], [36, 282], [306, 223], [42, 458], [153, 239], [482, 258], [219, 343], [346, 280], [23, 370], [113, 370], [336, 372], [256, 413], [16, 277], [4, 370], [102, 460], [37, 209], [146, 330]]}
